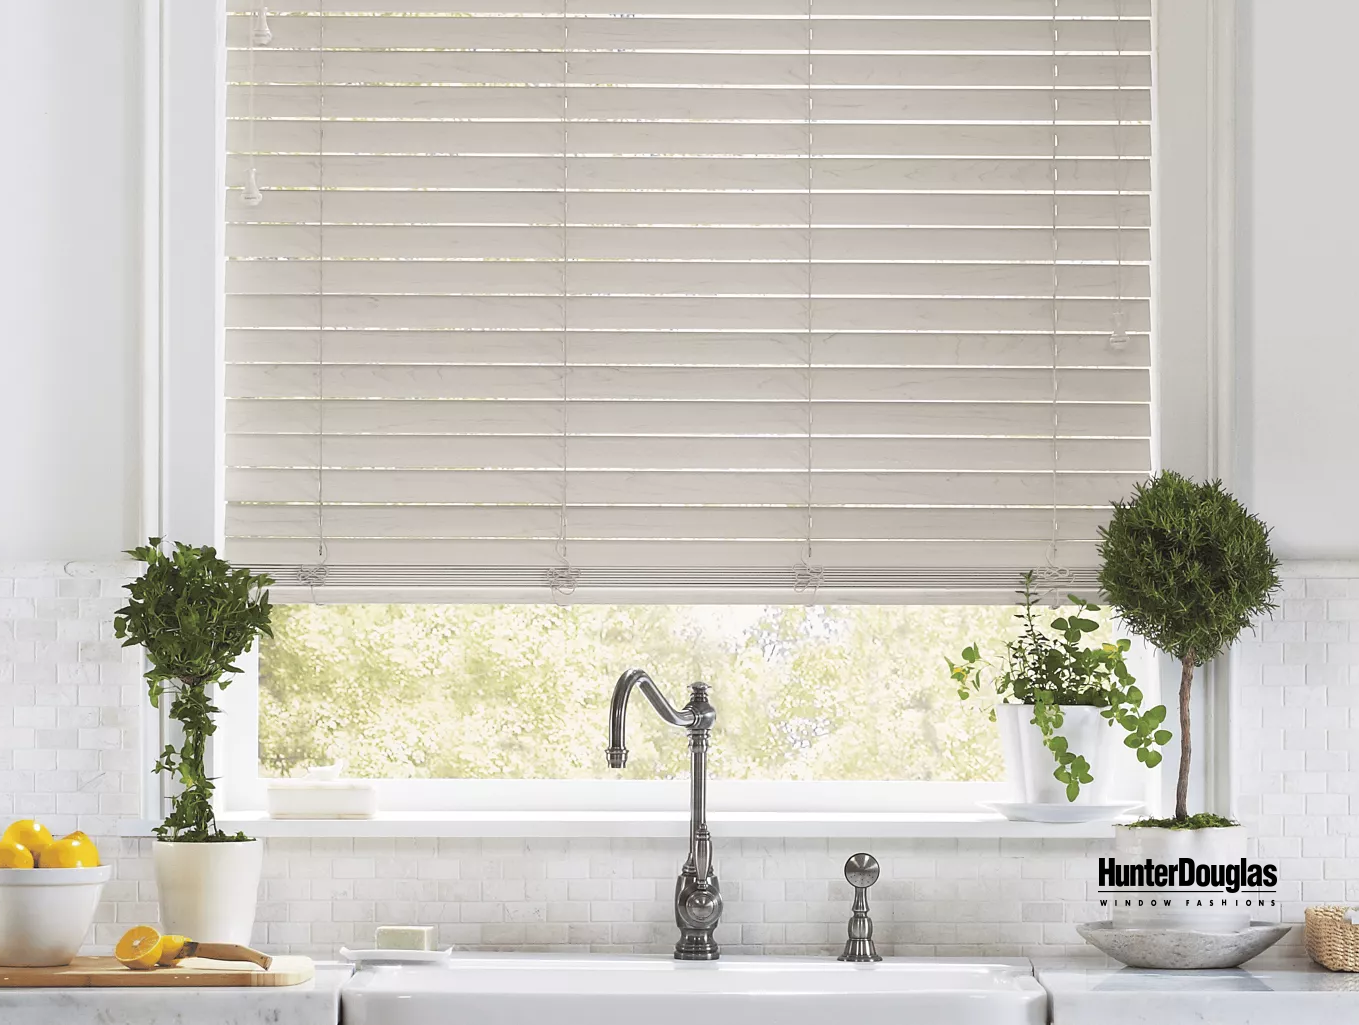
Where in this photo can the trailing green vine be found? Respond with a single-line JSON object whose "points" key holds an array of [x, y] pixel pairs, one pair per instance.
{"points": [[195, 614], [1047, 672]]}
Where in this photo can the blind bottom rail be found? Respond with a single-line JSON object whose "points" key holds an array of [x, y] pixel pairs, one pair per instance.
{"points": [[967, 581]]}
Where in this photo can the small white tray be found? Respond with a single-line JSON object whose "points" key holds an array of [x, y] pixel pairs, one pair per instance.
{"points": [[1070, 813], [396, 956]]}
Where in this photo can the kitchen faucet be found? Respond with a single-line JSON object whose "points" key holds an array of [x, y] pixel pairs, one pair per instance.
{"points": [[698, 898]]}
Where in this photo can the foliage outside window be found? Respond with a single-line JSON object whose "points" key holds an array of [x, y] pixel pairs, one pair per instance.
{"points": [[521, 691]]}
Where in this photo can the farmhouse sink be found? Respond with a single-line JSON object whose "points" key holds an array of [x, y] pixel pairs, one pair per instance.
{"points": [[530, 989]]}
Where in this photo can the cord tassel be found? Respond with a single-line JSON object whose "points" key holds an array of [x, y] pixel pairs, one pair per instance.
{"points": [[260, 33], [251, 194]]}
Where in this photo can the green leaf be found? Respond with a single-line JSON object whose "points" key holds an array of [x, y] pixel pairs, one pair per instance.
{"points": [[1162, 737]]}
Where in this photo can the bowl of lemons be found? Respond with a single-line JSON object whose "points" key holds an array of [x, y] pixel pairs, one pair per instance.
{"points": [[49, 890]]}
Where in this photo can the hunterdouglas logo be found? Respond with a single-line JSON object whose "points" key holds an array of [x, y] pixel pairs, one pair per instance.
{"points": [[1187, 873]]}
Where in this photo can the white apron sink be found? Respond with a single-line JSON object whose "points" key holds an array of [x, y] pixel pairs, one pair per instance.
{"points": [[534, 989]]}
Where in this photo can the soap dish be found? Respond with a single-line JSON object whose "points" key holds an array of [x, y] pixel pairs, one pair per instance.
{"points": [[390, 957]]}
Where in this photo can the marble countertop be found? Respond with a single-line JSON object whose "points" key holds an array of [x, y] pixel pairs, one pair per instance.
{"points": [[1295, 993], [312, 1003]]}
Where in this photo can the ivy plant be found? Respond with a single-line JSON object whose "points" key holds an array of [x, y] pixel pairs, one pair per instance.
{"points": [[1188, 568], [1048, 668], [195, 614]]}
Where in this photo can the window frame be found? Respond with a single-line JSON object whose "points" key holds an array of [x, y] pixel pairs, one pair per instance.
{"points": [[183, 341]]}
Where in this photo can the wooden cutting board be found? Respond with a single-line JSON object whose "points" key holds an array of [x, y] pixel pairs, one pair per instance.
{"points": [[194, 971]]}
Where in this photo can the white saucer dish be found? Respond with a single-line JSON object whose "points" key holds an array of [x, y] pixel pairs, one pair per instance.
{"points": [[396, 956], [1069, 813]]}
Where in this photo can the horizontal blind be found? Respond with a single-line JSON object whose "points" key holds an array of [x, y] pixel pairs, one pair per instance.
{"points": [[723, 294]]}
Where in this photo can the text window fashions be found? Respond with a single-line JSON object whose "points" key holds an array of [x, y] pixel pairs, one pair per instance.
{"points": [[765, 296]]}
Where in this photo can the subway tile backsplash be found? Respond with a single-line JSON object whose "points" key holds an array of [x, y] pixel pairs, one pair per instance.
{"points": [[70, 704]]}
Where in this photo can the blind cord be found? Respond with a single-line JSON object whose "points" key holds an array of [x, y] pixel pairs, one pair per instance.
{"points": [[561, 579], [259, 35], [807, 577], [1055, 572], [319, 571], [1118, 337]]}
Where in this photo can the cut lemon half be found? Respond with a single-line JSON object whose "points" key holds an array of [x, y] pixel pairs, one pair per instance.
{"points": [[15, 855], [28, 833], [139, 948]]}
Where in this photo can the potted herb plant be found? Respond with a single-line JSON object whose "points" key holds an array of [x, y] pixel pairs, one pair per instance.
{"points": [[1188, 568], [1058, 700], [195, 614]]}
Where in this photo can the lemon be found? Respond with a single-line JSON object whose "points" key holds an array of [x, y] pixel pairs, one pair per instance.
{"points": [[73, 851], [171, 947], [139, 948], [29, 833], [15, 855]]}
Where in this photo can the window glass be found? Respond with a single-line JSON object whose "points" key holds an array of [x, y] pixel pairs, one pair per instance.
{"points": [[522, 691]]}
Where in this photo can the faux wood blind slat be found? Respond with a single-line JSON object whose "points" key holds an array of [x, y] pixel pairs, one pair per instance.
{"points": [[736, 223]]}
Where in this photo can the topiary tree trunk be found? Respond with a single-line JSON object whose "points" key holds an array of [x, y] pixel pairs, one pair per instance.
{"points": [[1186, 743]]}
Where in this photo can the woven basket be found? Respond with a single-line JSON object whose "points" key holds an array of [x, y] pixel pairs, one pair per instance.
{"points": [[1332, 941]]}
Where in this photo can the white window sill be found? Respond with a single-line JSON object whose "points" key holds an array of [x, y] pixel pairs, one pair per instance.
{"points": [[652, 824]]}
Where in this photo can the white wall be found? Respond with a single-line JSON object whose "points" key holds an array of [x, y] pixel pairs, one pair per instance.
{"points": [[70, 253], [1298, 301]]}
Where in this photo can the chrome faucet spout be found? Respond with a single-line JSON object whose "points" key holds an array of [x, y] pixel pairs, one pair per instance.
{"points": [[698, 897], [617, 751]]}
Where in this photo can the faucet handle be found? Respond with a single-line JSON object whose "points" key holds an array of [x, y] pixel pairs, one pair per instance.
{"points": [[861, 872], [703, 857]]}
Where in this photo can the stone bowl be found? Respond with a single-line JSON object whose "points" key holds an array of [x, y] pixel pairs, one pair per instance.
{"points": [[1182, 949]]}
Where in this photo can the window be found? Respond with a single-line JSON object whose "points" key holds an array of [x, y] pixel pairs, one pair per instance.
{"points": [[785, 302], [503, 707], [522, 691]]}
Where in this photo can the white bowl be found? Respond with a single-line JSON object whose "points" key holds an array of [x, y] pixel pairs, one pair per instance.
{"points": [[46, 912]]}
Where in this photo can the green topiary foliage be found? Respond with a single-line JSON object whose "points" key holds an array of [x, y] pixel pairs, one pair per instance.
{"points": [[195, 614], [1188, 568]]}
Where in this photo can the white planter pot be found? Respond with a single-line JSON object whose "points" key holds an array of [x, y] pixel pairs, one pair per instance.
{"points": [[207, 890], [1029, 765], [1206, 909]]}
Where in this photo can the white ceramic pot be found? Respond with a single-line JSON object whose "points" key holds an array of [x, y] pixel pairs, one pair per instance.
{"points": [[1204, 910], [207, 891], [45, 913], [1029, 765]]}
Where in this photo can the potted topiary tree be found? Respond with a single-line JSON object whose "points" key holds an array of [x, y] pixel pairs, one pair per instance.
{"points": [[195, 614], [1188, 568]]}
